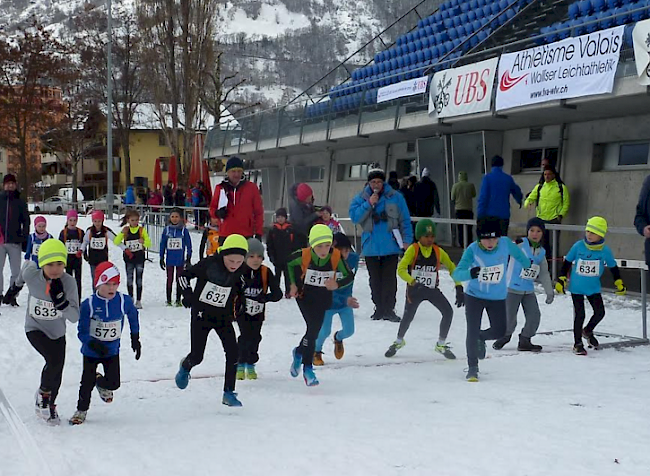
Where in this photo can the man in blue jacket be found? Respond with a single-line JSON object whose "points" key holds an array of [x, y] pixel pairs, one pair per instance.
{"points": [[494, 198], [642, 217], [384, 217]]}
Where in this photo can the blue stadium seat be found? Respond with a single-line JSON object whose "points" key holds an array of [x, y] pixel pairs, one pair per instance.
{"points": [[471, 15], [453, 33], [638, 15], [428, 31], [494, 8], [563, 30], [599, 5], [446, 14], [418, 44], [464, 7], [574, 11], [457, 42], [611, 4], [457, 21], [410, 48], [606, 21], [482, 35], [622, 17], [487, 10], [425, 42], [463, 18], [510, 13], [591, 23], [503, 4], [473, 4], [427, 54], [585, 8], [476, 25]]}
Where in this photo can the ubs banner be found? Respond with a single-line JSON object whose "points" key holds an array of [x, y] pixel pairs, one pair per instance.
{"points": [[464, 90], [570, 68]]}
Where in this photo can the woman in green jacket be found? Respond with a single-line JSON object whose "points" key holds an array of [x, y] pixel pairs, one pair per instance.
{"points": [[551, 198]]}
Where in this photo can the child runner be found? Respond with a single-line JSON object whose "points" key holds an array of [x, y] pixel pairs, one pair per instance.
{"points": [[101, 320], [587, 259], [420, 268], [258, 279], [95, 244], [210, 239], [176, 242], [327, 219], [313, 273], [521, 288], [216, 301], [72, 237], [280, 245], [343, 304], [36, 239], [484, 265], [136, 240], [52, 300]]}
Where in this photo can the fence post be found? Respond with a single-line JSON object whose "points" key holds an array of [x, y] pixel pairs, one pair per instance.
{"points": [[554, 254], [465, 237], [644, 302]]}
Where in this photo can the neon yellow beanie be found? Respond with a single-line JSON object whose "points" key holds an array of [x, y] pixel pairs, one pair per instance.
{"points": [[597, 225], [320, 234], [52, 251], [234, 244]]}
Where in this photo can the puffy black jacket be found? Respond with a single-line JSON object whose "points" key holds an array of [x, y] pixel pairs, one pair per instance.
{"points": [[426, 198], [302, 217], [642, 217], [14, 217]]}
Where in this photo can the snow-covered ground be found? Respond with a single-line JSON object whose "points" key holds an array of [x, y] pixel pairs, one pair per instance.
{"points": [[547, 414]]}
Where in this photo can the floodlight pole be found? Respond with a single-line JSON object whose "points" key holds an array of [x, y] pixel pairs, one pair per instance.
{"points": [[109, 113]]}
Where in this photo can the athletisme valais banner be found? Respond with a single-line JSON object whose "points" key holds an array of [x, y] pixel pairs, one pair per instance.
{"points": [[570, 68], [464, 90]]}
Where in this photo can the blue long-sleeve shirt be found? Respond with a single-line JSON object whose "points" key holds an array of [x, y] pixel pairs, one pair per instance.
{"points": [[494, 198], [491, 283], [341, 295], [176, 244], [33, 244], [103, 320]]}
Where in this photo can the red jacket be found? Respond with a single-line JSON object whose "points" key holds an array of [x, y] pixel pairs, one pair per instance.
{"points": [[245, 210]]}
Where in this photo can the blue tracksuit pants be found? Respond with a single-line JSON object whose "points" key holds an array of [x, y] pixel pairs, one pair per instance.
{"points": [[347, 322]]}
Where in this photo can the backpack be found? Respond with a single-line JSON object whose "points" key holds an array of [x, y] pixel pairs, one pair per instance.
{"points": [[335, 257], [79, 232], [265, 278], [436, 250]]}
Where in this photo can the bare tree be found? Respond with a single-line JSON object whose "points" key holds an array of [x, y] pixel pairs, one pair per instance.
{"points": [[180, 45], [32, 65]]}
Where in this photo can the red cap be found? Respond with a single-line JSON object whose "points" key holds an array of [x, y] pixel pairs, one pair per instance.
{"points": [[106, 272], [303, 192], [97, 215]]}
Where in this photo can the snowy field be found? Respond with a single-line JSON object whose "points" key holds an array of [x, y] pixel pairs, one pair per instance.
{"points": [[548, 414]]}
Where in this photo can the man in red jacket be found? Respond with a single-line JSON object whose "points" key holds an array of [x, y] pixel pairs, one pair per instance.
{"points": [[244, 213]]}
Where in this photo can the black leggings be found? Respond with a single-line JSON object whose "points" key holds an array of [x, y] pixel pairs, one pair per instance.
{"points": [[53, 351], [109, 381], [73, 267], [415, 297], [170, 282], [313, 312], [250, 336], [596, 301], [137, 269], [199, 331]]}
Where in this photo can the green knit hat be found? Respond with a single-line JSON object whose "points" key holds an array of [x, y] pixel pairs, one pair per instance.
{"points": [[425, 227]]}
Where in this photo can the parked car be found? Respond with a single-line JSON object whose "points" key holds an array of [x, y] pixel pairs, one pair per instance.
{"points": [[58, 205], [100, 203]]}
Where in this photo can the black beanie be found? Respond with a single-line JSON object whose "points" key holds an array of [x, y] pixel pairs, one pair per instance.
{"points": [[234, 163], [341, 241], [497, 161], [488, 227], [376, 172], [538, 222], [281, 212]]}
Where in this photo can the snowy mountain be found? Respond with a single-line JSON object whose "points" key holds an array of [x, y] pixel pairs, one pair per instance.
{"points": [[280, 46]]}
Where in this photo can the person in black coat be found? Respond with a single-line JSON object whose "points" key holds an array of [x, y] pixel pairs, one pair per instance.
{"points": [[302, 212], [426, 196], [14, 227], [168, 195], [642, 217]]}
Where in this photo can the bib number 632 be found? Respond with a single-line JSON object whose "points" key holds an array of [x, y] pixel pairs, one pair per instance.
{"points": [[215, 295]]}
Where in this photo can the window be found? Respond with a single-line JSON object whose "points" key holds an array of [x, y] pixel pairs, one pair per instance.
{"points": [[531, 159], [634, 154], [164, 164], [357, 171], [162, 142]]}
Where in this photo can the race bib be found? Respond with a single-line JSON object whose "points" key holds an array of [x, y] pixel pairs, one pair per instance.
{"points": [[35, 248], [105, 331], [491, 274], [428, 278], [531, 273], [317, 278], [214, 295], [174, 243], [253, 307], [133, 245], [588, 267], [43, 310], [72, 246], [97, 243]]}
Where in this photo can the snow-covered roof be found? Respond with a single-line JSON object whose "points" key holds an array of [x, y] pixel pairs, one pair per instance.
{"points": [[148, 117]]}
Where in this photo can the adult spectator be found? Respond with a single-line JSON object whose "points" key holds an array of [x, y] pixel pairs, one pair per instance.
{"points": [[462, 194], [197, 200], [129, 196], [302, 214], [393, 181], [494, 197], [386, 223], [551, 199], [179, 198], [243, 214], [427, 199], [407, 189], [14, 229], [155, 199], [168, 195], [642, 217]]}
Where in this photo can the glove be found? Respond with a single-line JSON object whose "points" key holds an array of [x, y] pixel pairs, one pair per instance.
{"points": [[550, 298], [187, 298], [136, 346], [162, 264], [474, 272], [188, 263], [621, 289], [12, 293], [560, 285], [460, 296], [128, 253], [78, 254], [240, 307], [58, 294], [222, 213], [98, 348], [258, 237]]}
